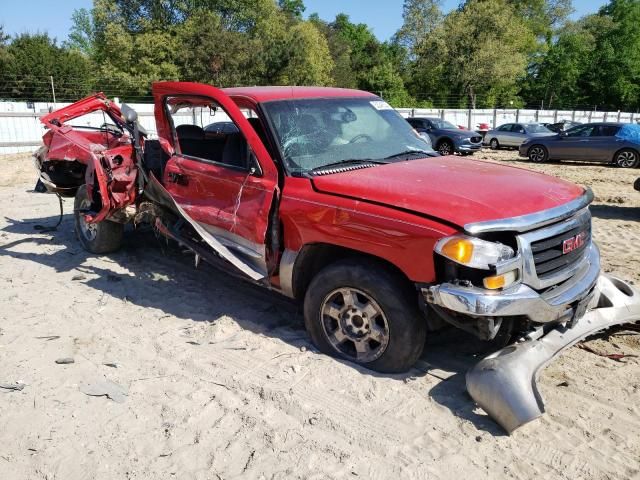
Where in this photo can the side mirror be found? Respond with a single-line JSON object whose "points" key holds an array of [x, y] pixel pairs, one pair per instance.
{"points": [[129, 114], [562, 133]]}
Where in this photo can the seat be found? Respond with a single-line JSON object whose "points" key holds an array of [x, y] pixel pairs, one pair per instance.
{"points": [[235, 151], [192, 142]]}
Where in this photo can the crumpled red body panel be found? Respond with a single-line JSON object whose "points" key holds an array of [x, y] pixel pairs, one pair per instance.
{"points": [[109, 160]]}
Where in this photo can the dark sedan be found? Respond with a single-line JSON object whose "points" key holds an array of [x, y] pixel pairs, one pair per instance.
{"points": [[592, 142], [445, 137]]}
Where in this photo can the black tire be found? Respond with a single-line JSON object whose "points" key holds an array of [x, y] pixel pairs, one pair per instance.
{"points": [[101, 237], [376, 288], [627, 158], [494, 144], [445, 147], [538, 154]]}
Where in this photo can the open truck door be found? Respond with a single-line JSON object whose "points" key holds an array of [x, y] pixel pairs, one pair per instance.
{"points": [[222, 183]]}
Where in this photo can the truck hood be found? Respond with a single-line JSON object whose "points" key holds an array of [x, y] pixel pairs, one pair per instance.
{"points": [[453, 189]]}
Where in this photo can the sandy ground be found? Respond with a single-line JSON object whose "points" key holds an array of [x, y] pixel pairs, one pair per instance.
{"points": [[222, 382]]}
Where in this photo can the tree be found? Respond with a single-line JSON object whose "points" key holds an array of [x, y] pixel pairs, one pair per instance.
{"points": [[295, 8], [210, 53], [309, 61], [420, 18], [32, 59], [543, 17], [479, 50], [82, 34], [615, 74]]}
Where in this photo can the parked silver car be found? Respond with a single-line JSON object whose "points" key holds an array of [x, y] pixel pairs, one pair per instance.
{"points": [[511, 135], [592, 142]]}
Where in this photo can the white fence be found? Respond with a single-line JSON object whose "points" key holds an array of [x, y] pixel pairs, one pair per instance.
{"points": [[21, 130]]}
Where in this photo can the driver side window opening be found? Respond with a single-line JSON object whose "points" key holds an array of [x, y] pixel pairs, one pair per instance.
{"points": [[203, 130]]}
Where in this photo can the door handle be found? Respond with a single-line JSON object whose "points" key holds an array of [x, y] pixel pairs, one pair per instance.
{"points": [[178, 178]]}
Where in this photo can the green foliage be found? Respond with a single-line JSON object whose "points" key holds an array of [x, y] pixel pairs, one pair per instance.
{"points": [[82, 34], [475, 56], [485, 53], [294, 8], [594, 62], [420, 18], [29, 62], [309, 60]]}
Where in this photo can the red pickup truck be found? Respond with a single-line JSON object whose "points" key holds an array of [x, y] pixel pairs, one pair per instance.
{"points": [[328, 196]]}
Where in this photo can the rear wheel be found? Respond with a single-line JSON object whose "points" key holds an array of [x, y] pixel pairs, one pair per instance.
{"points": [[627, 158], [538, 154], [494, 144], [445, 147], [359, 310], [101, 237]]}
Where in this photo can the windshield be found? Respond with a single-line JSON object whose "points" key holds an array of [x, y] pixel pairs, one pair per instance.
{"points": [[316, 132], [536, 128], [442, 124]]}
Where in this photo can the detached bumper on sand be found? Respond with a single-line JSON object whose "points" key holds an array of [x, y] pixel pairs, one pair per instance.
{"points": [[504, 383]]}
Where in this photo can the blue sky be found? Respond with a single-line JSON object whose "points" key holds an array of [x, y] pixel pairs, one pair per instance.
{"points": [[384, 16]]}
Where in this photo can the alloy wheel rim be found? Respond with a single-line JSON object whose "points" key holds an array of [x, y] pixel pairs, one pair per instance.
{"points": [[445, 149], [626, 159], [494, 143], [89, 230], [537, 154], [354, 324]]}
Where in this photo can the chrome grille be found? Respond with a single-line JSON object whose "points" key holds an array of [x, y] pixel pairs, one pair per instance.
{"points": [[544, 263], [548, 255]]}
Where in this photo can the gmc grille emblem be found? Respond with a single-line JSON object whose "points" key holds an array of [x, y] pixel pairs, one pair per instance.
{"points": [[574, 243]]}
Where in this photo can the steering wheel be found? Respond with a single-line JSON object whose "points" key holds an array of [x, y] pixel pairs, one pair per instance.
{"points": [[361, 136]]}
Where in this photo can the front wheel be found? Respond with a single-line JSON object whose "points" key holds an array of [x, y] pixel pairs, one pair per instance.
{"points": [[627, 158], [101, 237], [361, 311], [445, 148], [538, 154], [494, 144]]}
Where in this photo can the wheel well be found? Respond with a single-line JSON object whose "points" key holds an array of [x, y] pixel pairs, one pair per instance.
{"points": [[314, 257]]}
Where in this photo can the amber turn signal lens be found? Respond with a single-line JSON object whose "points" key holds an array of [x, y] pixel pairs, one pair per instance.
{"points": [[458, 249], [499, 281]]}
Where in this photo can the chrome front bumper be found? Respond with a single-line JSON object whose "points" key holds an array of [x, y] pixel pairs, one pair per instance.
{"points": [[554, 305], [504, 383]]}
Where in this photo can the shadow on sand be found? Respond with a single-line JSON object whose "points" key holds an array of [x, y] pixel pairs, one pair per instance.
{"points": [[148, 257]]}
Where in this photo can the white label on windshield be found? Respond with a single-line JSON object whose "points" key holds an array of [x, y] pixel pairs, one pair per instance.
{"points": [[380, 105]]}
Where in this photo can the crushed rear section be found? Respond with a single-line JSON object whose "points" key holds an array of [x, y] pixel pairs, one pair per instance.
{"points": [[76, 153]]}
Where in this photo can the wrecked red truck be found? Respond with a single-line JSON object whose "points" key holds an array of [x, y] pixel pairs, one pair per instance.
{"points": [[328, 196]]}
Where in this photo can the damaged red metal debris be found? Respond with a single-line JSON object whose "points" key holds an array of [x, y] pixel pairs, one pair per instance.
{"points": [[328, 196]]}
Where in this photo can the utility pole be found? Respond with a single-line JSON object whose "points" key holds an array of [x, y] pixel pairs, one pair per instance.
{"points": [[53, 91]]}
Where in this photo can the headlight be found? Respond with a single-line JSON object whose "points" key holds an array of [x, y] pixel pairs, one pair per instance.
{"points": [[473, 252]]}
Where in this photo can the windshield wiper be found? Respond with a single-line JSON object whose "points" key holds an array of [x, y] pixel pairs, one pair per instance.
{"points": [[412, 152], [350, 161]]}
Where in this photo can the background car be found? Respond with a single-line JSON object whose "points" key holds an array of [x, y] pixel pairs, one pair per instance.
{"points": [[561, 126], [511, 135], [593, 142], [446, 138]]}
